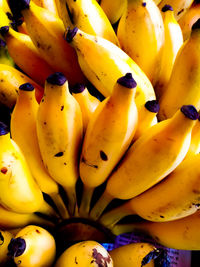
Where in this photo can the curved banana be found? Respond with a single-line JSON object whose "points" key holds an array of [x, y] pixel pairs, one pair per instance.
{"points": [[179, 234], [134, 255], [108, 135], [5, 58], [88, 103], [85, 253], [5, 238], [142, 21], [179, 6], [60, 132], [150, 159], [33, 246], [10, 80], [31, 62], [25, 114], [48, 4], [46, 31], [185, 78], [173, 42]]}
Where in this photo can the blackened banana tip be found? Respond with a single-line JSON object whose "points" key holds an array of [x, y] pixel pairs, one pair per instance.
{"points": [[4, 30], [190, 112], [57, 78], [152, 105], [3, 129], [127, 81], [166, 8], [70, 34], [2, 43], [16, 247], [196, 25], [78, 88], [26, 87], [23, 4]]}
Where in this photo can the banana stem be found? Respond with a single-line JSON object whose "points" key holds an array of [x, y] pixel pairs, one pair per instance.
{"points": [[86, 201], [36, 219], [100, 206], [47, 210], [123, 228], [72, 201], [62, 209]]}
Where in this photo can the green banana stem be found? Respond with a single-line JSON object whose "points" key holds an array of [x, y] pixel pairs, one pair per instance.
{"points": [[62, 209], [86, 201], [47, 210], [72, 201]]}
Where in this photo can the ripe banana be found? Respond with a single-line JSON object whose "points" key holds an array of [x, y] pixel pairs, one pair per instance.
{"points": [[60, 131], [48, 4], [85, 253], [195, 140], [5, 58], [108, 135], [179, 234], [25, 114], [5, 237], [4, 5], [173, 42], [10, 80], [33, 246], [185, 78], [46, 31], [142, 21], [4, 21], [150, 159], [134, 255], [88, 103]]}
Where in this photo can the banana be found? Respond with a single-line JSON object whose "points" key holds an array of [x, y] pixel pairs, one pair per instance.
{"points": [[179, 6], [108, 135], [164, 202], [10, 80], [25, 114], [5, 238], [134, 255], [173, 42], [46, 31], [142, 21], [4, 21], [103, 63], [179, 234], [33, 246], [88, 103], [195, 140], [188, 19], [60, 132], [4, 5], [185, 78], [19, 191], [11, 220], [150, 159], [48, 4], [113, 10], [85, 253], [5, 58], [63, 13]]}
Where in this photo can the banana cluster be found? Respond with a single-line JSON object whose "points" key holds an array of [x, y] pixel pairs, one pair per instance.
{"points": [[102, 98]]}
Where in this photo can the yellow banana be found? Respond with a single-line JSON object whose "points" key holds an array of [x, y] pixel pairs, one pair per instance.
{"points": [[19, 191], [63, 13], [4, 21], [150, 159], [85, 253], [113, 9], [48, 4], [142, 21], [46, 31], [108, 135], [185, 78], [33, 246], [188, 19], [5, 58], [134, 255], [5, 238], [88, 103], [164, 202], [179, 6], [25, 114], [4, 5], [10, 80], [60, 130], [179, 234], [195, 140], [173, 42]]}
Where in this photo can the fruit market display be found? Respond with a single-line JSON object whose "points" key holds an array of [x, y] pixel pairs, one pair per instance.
{"points": [[99, 130]]}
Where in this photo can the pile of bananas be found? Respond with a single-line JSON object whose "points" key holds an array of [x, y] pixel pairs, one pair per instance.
{"points": [[104, 125]]}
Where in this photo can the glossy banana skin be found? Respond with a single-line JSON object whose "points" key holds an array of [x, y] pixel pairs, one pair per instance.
{"points": [[113, 10], [48, 4]]}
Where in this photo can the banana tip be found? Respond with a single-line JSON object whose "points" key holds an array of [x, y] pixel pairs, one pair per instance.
{"points": [[69, 35], [167, 8], [16, 247], [57, 78], [26, 87], [127, 81], [190, 112], [152, 106], [78, 88], [4, 30]]}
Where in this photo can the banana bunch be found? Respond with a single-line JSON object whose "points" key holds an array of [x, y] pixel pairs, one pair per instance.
{"points": [[104, 125]]}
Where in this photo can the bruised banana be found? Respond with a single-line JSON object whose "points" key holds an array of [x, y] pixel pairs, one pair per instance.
{"points": [[142, 21], [33, 246], [25, 114], [60, 132], [150, 159], [46, 31], [179, 234], [108, 135], [5, 237], [185, 78]]}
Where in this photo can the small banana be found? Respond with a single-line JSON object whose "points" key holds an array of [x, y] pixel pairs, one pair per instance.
{"points": [[85, 253], [60, 132], [33, 246], [150, 159], [113, 10], [5, 237]]}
